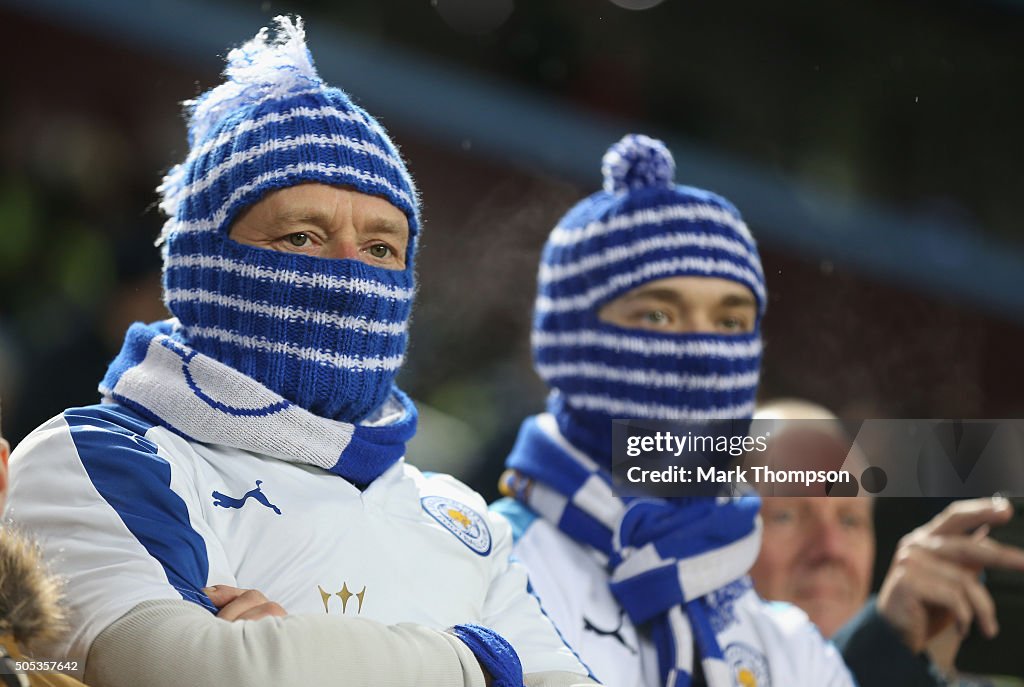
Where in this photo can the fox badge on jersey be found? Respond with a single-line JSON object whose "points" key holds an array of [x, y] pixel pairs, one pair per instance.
{"points": [[465, 523], [748, 665]]}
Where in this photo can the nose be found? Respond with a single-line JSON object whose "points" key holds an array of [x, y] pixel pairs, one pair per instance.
{"points": [[827, 538], [341, 250], [700, 322]]}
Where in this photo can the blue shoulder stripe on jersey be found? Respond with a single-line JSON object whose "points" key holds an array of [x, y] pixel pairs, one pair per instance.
{"points": [[518, 515], [129, 475]]}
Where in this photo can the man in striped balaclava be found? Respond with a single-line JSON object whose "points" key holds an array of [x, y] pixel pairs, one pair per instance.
{"points": [[256, 439], [649, 306]]}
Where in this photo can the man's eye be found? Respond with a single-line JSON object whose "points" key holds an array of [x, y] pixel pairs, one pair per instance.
{"points": [[781, 516], [298, 240], [852, 521], [379, 251], [733, 324], [656, 317]]}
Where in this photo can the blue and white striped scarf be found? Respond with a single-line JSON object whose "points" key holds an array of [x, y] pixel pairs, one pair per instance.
{"points": [[663, 556], [204, 400]]}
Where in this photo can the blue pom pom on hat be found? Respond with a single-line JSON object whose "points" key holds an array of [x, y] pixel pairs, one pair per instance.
{"points": [[637, 162]]}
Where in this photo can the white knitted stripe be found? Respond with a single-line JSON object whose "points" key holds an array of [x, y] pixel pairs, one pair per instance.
{"points": [[647, 377], [648, 346], [688, 212], [315, 317], [218, 217], [276, 118], [700, 575], [626, 409], [243, 156], [345, 362], [647, 272], [683, 638], [596, 498], [288, 277], [549, 273], [547, 502], [636, 561]]}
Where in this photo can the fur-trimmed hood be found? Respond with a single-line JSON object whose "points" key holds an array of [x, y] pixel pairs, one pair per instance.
{"points": [[30, 597]]}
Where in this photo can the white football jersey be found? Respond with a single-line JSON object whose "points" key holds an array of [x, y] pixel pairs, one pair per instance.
{"points": [[764, 644], [127, 511]]}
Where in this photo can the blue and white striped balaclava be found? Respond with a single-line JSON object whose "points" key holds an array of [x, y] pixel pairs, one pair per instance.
{"points": [[641, 227], [328, 335]]}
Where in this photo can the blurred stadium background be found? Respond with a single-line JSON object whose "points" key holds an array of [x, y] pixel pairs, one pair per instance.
{"points": [[875, 149]]}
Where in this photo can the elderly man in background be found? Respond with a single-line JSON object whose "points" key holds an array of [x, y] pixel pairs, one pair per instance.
{"points": [[818, 553]]}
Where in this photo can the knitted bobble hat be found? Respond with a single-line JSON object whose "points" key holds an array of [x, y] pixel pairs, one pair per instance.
{"points": [[328, 335], [641, 227]]}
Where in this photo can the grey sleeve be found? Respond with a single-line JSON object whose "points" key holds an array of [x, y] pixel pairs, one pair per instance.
{"points": [[555, 678], [173, 643]]}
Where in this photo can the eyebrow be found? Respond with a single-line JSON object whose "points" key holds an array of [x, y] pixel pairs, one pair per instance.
{"points": [[312, 215], [315, 215], [661, 294], [732, 300], [735, 300], [388, 226]]}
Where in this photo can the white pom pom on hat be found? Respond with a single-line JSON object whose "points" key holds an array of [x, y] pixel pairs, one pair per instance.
{"points": [[637, 162]]}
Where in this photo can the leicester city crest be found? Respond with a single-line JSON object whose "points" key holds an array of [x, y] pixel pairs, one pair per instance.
{"points": [[748, 666], [461, 520]]}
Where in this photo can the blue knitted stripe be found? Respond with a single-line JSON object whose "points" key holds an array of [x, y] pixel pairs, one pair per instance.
{"points": [[292, 108], [646, 596], [614, 243], [606, 340], [315, 135], [702, 630], [570, 276], [536, 454], [200, 216], [206, 258], [569, 269], [709, 525], [586, 298], [253, 138], [668, 657], [647, 375], [582, 526], [267, 313]]}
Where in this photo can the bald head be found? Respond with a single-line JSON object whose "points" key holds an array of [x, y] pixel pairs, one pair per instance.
{"points": [[817, 551]]}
